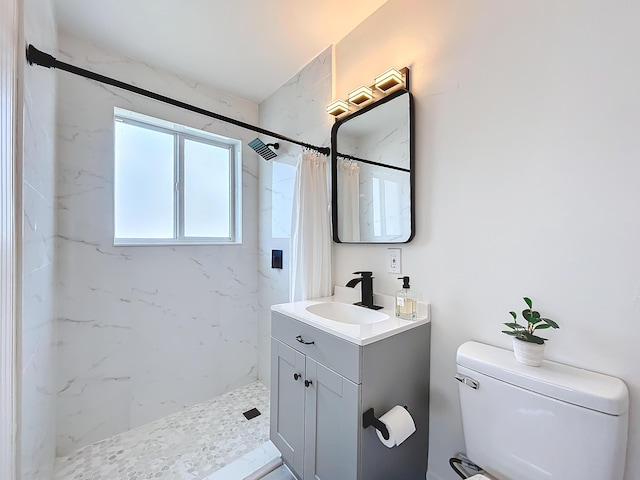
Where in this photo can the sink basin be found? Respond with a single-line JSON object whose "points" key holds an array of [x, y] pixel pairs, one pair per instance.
{"points": [[346, 313]]}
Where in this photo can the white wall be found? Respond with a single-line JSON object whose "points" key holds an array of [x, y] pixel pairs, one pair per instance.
{"points": [[297, 110], [143, 331], [527, 146], [38, 395]]}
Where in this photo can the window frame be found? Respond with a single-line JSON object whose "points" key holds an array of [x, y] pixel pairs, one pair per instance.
{"points": [[181, 133]]}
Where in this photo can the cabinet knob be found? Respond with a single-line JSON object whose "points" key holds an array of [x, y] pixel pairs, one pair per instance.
{"points": [[307, 383], [299, 339], [296, 376]]}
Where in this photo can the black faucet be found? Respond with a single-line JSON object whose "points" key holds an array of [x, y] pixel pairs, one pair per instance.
{"points": [[366, 288]]}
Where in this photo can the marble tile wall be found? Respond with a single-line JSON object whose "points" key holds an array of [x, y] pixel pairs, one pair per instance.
{"points": [[298, 110], [38, 399], [143, 331]]}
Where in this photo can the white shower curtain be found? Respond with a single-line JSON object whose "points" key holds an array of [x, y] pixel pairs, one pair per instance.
{"points": [[348, 201], [311, 230]]}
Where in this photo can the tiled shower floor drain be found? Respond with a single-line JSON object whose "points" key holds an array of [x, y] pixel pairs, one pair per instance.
{"points": [[191, 444]]}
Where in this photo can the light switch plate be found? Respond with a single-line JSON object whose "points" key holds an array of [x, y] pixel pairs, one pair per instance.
{"points": [[394, 260]]}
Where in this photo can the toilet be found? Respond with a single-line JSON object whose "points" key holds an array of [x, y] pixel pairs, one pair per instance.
{"points": [[535, 423]]}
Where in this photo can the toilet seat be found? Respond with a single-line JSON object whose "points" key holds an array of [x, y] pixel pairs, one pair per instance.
{"points": [[479, 476]]}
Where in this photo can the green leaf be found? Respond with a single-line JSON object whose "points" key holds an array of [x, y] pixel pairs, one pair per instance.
{"points": [[510, 332], [551, 323], [534, 338], [544, 325], [513, 325], [531, 316], [529, 302], [513, 314]]}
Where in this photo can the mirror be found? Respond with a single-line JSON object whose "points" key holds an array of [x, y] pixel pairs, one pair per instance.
{"points": [[372, 172]]}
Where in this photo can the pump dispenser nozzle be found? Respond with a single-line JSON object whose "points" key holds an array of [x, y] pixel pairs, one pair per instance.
{"points": [[405, 282]]}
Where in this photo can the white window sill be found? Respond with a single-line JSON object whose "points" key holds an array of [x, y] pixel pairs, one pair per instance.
{"points": [[143, 243]]}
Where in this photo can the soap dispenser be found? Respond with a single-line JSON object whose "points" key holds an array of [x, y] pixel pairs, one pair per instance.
{"points": [[406, 301]]}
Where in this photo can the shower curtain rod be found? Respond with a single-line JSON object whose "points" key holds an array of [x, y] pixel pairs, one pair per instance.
{"points": [[371, 162], [37, 57]]}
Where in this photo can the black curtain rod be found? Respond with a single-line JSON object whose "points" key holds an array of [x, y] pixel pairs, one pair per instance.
{"points": [[37, 57], [371, 162]]}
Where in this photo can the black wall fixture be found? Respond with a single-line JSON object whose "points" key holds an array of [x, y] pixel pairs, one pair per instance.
{"points": [[276, 258], [38, 57]]}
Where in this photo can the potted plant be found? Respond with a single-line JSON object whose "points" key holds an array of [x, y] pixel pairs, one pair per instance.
{"points": [[528, 347]]}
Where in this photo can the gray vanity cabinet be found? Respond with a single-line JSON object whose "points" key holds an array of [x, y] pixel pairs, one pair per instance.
{"points": [[314, 413], [320, 386]]}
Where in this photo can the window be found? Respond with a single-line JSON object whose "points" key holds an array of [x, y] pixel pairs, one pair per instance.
{"points": [[174, 184]]}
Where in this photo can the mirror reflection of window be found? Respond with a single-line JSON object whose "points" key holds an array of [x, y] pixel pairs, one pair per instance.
{"points": [[387, 201]]}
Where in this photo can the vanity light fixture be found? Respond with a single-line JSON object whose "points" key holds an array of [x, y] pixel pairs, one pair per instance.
{"points": [[385, 83], [360, 95], [389, 79], [337, 108]]}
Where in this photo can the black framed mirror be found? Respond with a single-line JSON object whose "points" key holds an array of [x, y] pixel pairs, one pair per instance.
{"points": [[372, 172]]}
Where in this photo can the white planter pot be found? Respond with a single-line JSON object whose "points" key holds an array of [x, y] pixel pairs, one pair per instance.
{"points": [[528, 353]]}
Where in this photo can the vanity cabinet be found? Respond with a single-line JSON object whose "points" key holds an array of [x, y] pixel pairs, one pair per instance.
{"points": [[320, 386], [316, 416]]}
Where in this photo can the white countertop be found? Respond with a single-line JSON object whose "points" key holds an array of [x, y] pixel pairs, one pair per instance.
{"points": [[358, 334]]}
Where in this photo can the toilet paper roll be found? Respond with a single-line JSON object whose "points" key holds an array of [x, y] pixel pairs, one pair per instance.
{"points": [[400, 424]]}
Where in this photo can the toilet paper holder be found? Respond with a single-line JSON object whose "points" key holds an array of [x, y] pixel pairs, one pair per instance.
{"points": [[369, 419]]}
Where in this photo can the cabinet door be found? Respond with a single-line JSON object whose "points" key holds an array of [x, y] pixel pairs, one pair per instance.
{"points": [[331, 425], [287, 403]]}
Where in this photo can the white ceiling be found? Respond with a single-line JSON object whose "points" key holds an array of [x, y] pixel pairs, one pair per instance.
{"points": [[245, 47]]}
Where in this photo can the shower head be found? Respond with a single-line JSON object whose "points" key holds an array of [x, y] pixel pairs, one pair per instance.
{"points": [[263, 150]]}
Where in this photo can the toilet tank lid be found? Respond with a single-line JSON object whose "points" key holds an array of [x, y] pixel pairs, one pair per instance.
{"points": [[577, 386]]}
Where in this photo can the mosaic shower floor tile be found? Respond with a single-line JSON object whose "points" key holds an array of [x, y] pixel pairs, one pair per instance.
{"points": [[190, 445]]}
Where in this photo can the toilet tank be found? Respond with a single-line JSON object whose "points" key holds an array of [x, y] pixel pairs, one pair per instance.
{"points": [[536, 423]]}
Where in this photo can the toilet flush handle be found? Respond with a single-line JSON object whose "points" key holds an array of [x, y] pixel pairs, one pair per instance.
{"points": [[468, 381]]}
